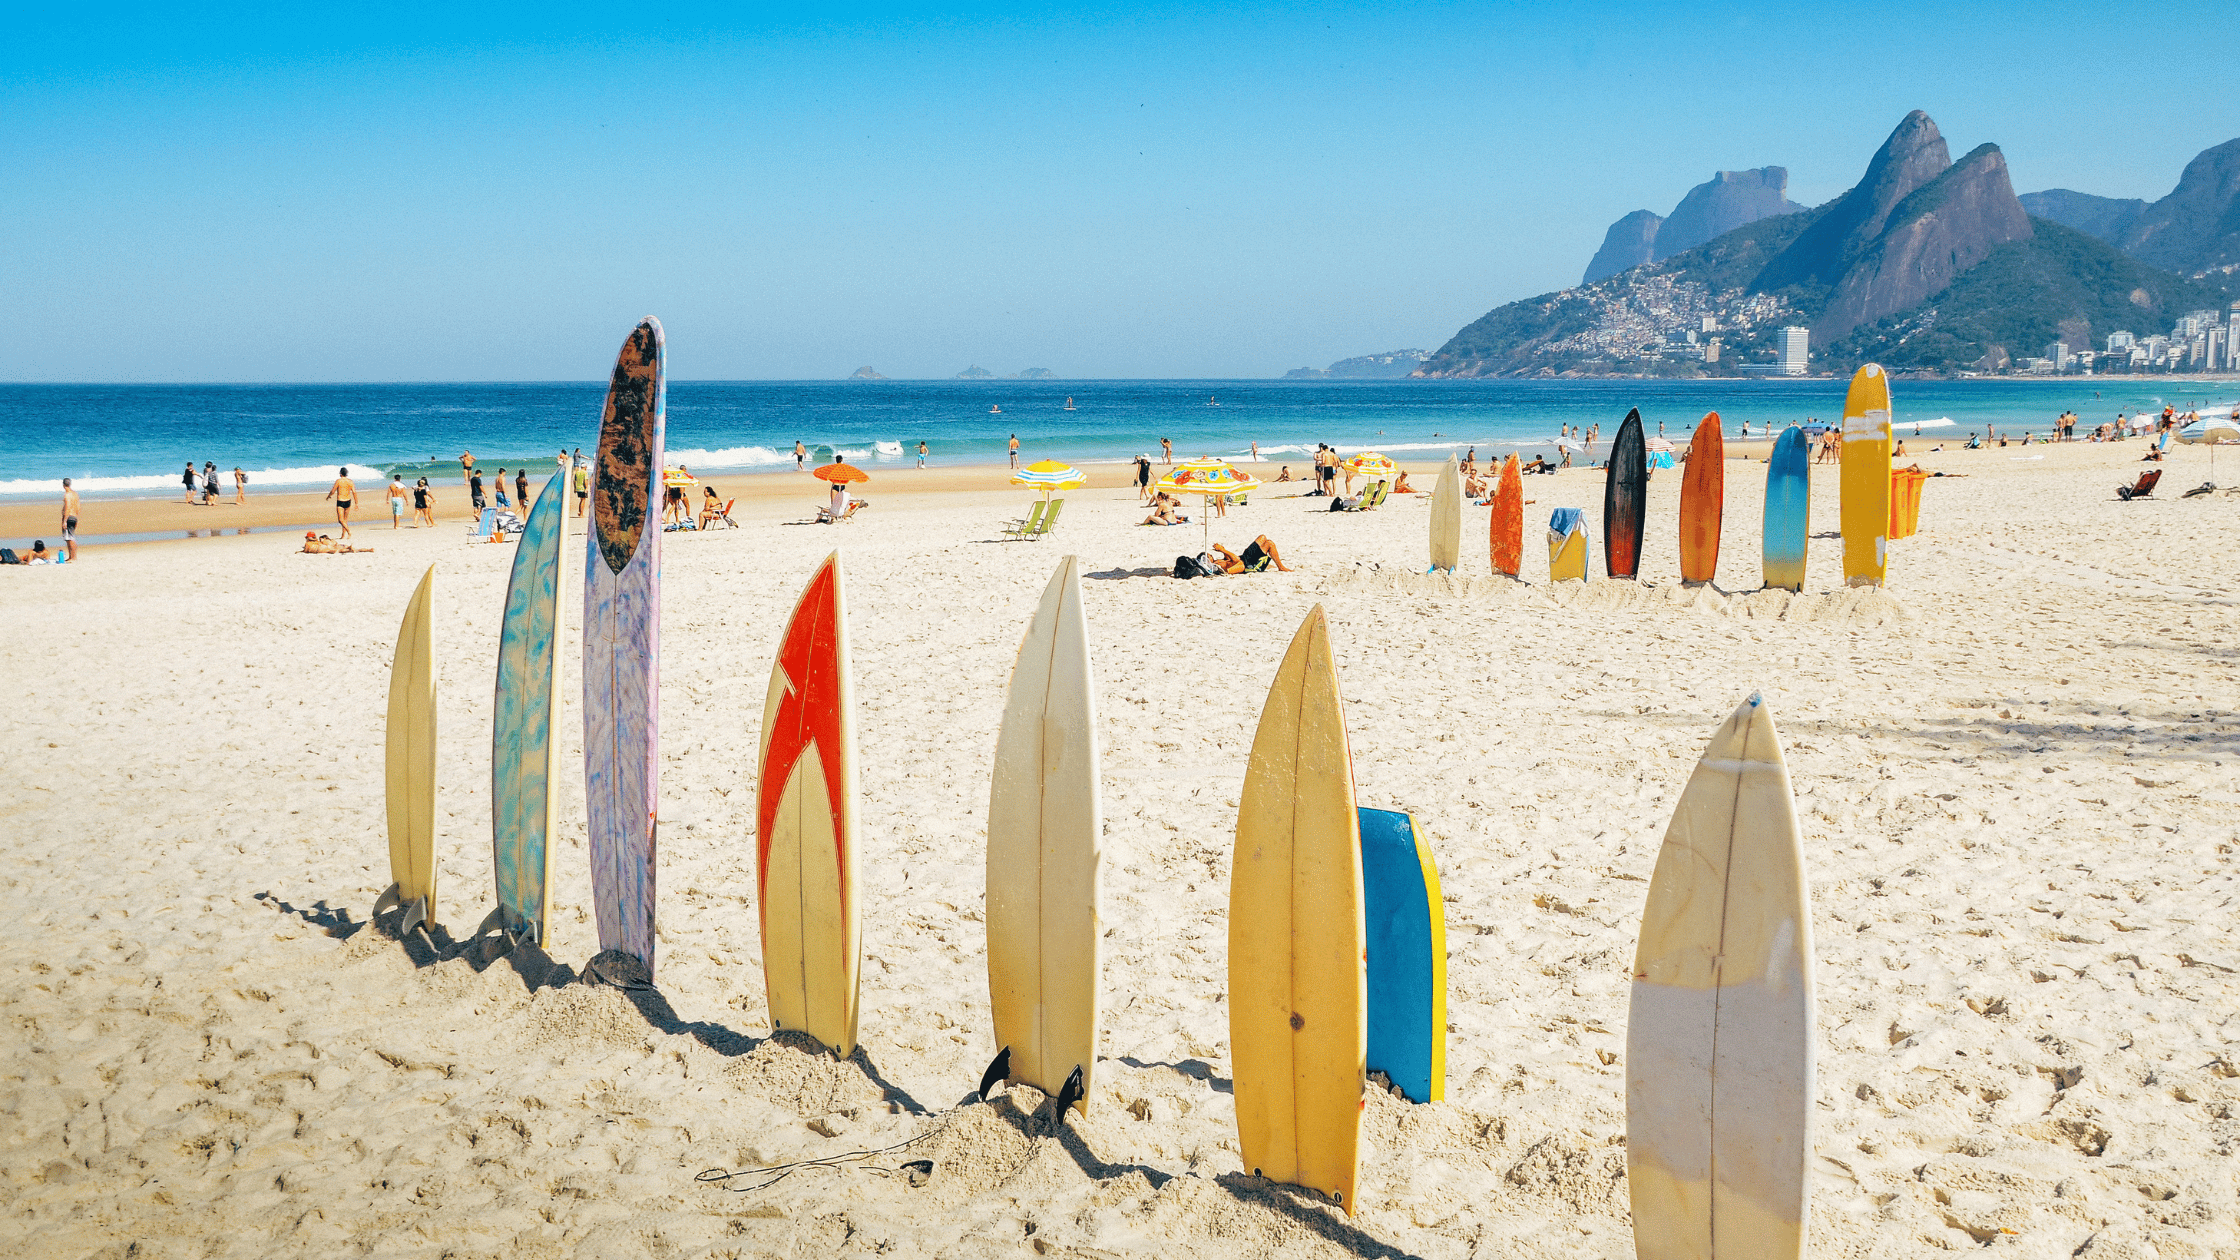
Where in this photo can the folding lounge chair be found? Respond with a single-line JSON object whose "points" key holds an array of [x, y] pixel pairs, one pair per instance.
{"points": [[724, 514], [2143, 488], [825, 516], [1049, 519], [483, 527], [1029, 527]]}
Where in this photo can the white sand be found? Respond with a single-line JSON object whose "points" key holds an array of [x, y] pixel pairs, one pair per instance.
{"points": [[2016, 773]]}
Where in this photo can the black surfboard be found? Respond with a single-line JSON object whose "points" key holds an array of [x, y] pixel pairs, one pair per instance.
{"points": [[1625, 499]]}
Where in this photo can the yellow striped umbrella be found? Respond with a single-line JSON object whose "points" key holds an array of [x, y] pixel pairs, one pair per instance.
{"points": [[1050, 475], [1208, 478], [1370, 464]]}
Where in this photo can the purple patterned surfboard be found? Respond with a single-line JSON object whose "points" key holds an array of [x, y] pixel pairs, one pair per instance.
{"points": [[622, 655]]}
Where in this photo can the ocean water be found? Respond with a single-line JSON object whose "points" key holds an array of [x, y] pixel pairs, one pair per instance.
{"points": [[131, 440]]}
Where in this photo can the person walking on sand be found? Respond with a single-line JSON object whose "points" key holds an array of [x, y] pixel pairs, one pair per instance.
{"points": [[1166, 451], [344, 492], [503, 502], [466, 463], [1014, 450], [240, 487], [396, 500], [800, 457], [580, 478], [69, 522], [1143, 477], [474, 491], [424, 505], [921, 454], [521, 489], [187, 479]]}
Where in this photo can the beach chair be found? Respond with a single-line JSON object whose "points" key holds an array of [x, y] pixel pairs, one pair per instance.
{"points": [[2142, 488], [724, 514], [825, 516], [482, 527], [1049, 519], [1029, 527]]}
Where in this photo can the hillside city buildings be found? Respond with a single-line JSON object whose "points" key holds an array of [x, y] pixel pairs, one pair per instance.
{"points": [[2201, 341]]}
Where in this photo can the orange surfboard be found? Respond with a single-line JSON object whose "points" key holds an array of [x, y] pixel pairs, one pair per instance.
{"points": [[1703, 493], [1508, 519]]}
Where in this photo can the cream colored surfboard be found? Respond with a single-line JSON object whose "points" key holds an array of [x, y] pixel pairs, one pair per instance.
{"points": [[1446, 517], [805, 815], [411, 765], [1298, 1001], [1866, 478], [1045, 829], [1719, 1044]]}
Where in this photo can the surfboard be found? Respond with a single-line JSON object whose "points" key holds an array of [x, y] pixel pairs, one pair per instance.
{"points": [[1703, 496], [1407, 958], [805, 823], [622, 651], [1446, 518], [1625, 499], [1788, 510], [1297, 995], [1508, 519], [1866, 477], [411, 766], [1719, 1044], [525, 724], [1567, 545], [1045, 836]]}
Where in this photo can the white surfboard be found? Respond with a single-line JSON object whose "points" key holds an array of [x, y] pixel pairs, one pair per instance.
{"points": [[1446, 518], [1045, 828], [1719, 1044]]}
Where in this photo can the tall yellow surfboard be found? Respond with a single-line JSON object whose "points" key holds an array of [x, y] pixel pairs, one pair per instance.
{"points": [[411, 766], [1298, 1000], [1866, 477]]}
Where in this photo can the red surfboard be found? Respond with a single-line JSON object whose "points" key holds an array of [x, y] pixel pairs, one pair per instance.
{"points": [[1508, 519], [1703, 494]]}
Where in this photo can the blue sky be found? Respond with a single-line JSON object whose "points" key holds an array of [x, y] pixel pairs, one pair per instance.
{"points": [[421, 193]]}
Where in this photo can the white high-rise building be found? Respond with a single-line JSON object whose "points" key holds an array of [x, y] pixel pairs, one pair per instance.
{"points": [[1796, 349], [2120, 341]]}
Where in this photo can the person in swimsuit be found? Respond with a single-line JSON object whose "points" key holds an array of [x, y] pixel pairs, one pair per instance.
{"points": [[581, 479], [474, 490], [1014, 450], [69, 521], [1166, 451], [240, 487], [521, 489], [209, 483], [344, 492], [502, 500], [396, 500], [187, 479], [1262, 547], [423, 505], [921, 454], [1143, 477]]}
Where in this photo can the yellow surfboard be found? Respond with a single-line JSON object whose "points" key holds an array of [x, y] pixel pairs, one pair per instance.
{"points": [[412, 766], [1298, 1001], [1866, 477]]}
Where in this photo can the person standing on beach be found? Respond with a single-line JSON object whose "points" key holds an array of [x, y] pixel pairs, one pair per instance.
{"points": [[187, 479], [344, 492], [1166, 451], [561, 462], [502, 500], [396, 500], [1255, 452], [581, 480], [69, 521], [474, 490], [1014, 450], [423, 505], [800, 457], [521, 489], [466, 463], [921, 455], [240, 487], [210, 483], [1143, 477]]}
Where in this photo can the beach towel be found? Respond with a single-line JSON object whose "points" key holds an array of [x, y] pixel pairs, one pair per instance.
{"points": [[1561, 521]]}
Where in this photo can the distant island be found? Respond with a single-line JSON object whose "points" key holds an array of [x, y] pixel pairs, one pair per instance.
{"points": [[978, 373], [1927, 266], [974, 373], [866, 374], [1392, 363]]}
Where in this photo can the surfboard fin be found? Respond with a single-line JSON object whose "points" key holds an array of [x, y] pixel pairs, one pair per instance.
{"points": [[415, 916], [999, 1070], [496, 920], [387, 901], [1071, 1094], [616, 968]]}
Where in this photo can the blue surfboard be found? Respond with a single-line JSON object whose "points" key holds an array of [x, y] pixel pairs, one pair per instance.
{"points": [[1407, 955], [1788, 508]]}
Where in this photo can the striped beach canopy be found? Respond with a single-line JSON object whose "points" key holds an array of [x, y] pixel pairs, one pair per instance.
{"points": [[1206, 476], [1370, 464], [1049, 475]]}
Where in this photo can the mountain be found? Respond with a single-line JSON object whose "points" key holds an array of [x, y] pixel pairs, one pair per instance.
{"points": [[1392, 363], [1925, 263], [1728, 200], [866, 374], [974, 373], [2196, 229], [2103, 217]]}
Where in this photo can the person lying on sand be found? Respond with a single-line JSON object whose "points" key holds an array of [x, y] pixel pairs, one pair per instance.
{"points": [[321, 545], [1163, 514], [1262, 547]]}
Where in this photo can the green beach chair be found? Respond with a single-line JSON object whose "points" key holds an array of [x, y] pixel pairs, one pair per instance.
{"points": [[1049, 519], [1028, 527]]}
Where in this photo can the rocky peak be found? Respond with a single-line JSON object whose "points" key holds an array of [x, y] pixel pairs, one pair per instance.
{"points": [[1914, 154], [1630, 242], [1730, 199], [2196, 229], [1939, 230]]}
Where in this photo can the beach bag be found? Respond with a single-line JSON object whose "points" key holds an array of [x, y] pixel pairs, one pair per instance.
{"points": [[1186, 567], [1207, 568]]}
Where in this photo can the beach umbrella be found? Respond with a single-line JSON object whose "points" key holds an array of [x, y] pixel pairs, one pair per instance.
{"points": [[677, 477], [1371, 465], [837, 471], [1207, 478], [1658, 444], [2213, 430], [1049, 475]]}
